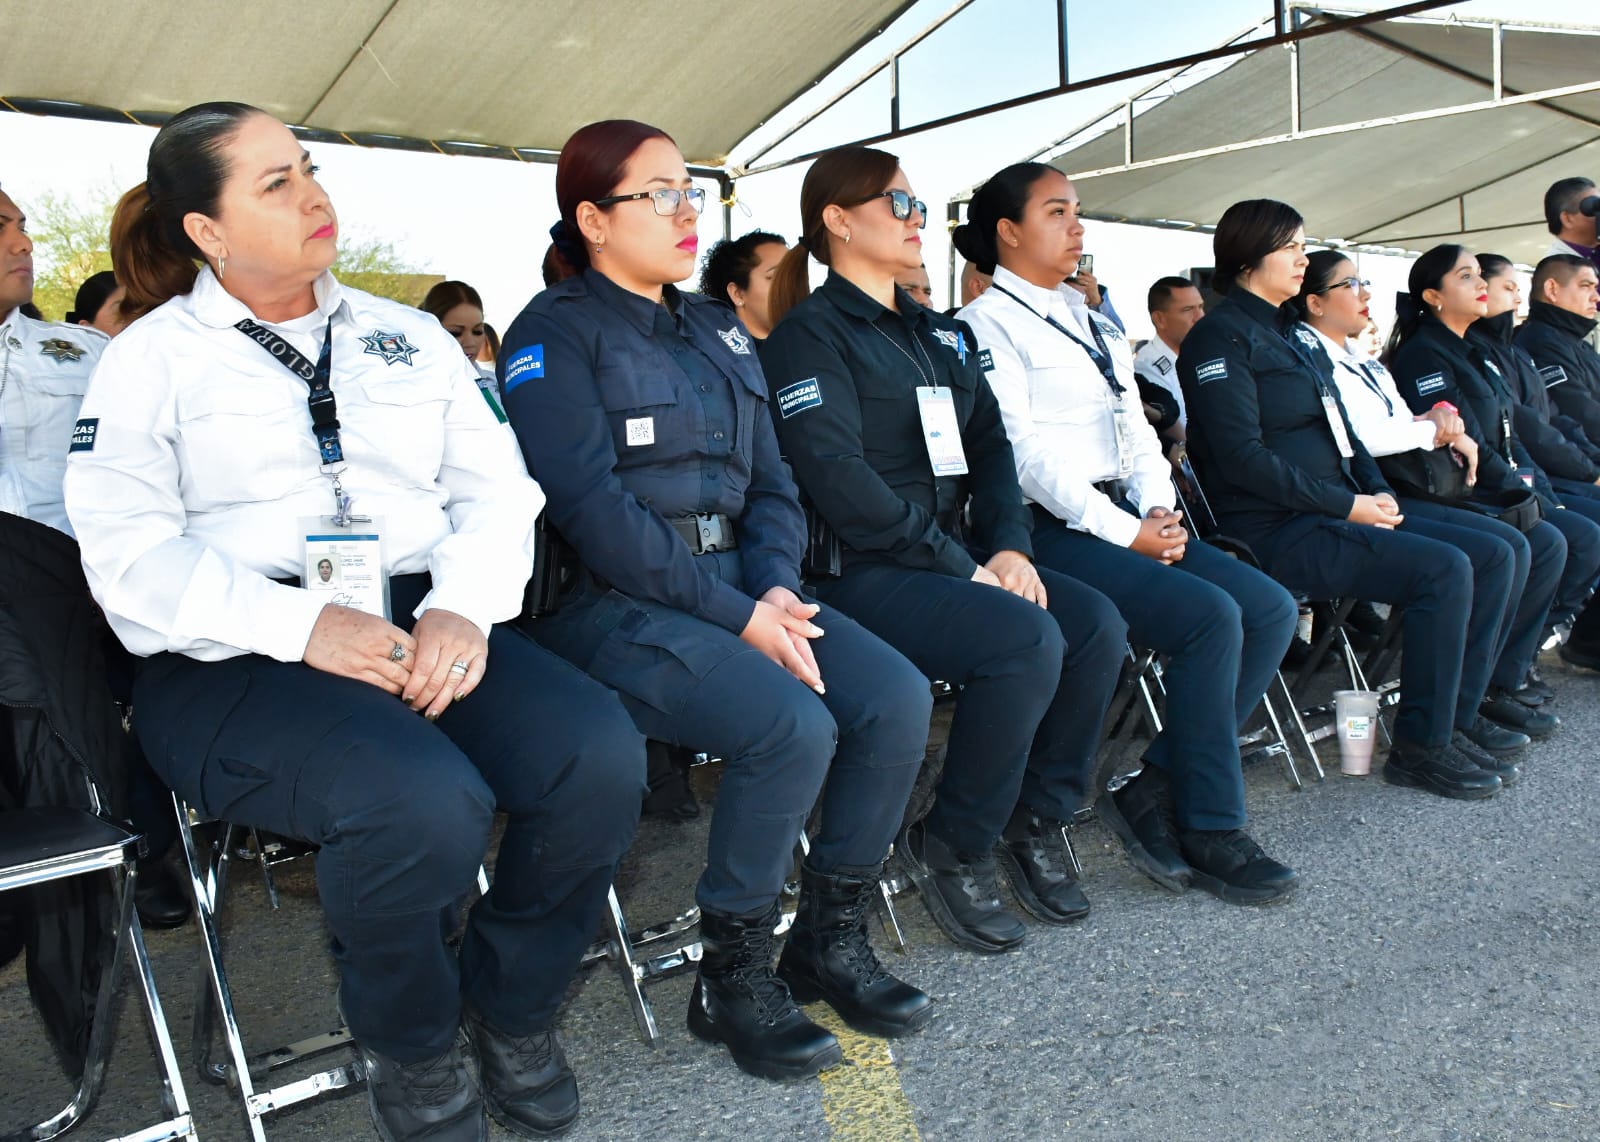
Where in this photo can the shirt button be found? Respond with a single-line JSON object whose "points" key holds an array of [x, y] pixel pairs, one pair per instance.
{"points": [[716, 435], [705, 388]]}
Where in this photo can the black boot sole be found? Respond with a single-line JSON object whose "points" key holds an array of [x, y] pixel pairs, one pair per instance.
{"points": [[1455, 792], [701, 1027], [1138, 855], [387, 1135], [1026, 896], [1234, 894], [522, 1129], [806, 989]]}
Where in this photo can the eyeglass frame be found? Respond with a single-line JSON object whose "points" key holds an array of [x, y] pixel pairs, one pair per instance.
{"points": [[695, 195], [1351, 283], [912, 204]]}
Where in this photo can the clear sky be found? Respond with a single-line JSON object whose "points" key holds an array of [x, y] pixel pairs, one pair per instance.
{"points": [[486, 221]]}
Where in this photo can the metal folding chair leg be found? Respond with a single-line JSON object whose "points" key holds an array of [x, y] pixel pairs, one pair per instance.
{"points": [[631, 953], [1306, 740]]}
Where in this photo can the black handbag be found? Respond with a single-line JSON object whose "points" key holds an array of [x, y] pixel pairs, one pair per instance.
{"points": [[1518, 507], [1437, 474]]}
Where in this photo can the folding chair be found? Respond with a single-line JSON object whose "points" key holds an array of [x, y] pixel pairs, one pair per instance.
{"points": [[38, 846]]}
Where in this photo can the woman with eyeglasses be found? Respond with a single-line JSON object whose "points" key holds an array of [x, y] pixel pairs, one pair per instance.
{"points": [[1433, 360], [1285, 472], [1504, 631], [1103, 513], [896, 439], [644, 410]]}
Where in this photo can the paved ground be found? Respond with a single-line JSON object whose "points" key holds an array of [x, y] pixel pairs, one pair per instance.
{"points": [[1433, 979]]}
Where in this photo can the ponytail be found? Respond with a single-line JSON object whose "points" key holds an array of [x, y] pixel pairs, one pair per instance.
{"points": [[976, 246], [152, 271], [1427, 272], [1409, 311], [791, 282], [1004, 196]]}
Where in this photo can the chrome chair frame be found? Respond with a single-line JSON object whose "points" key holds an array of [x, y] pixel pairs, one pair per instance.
{"points": [[116, 857]]}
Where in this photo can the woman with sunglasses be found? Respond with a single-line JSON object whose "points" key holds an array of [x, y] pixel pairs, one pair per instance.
{"points": [[1503, 633], [1433, 361], [897, 441], [1286, 473], [1103, 512], [644, 409]]}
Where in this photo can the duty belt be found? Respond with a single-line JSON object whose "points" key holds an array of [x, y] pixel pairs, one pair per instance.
{"points": [[1112, 489], [705, 532]]}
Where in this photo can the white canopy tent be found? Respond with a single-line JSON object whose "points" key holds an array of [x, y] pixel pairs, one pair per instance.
{"points": [[1397, 135]]}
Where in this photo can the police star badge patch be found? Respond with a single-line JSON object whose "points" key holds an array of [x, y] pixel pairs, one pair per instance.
{"points": [[391, 347], [58, 349], [735, 340]]}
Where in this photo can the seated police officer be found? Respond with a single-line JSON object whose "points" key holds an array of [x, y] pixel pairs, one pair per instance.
{"points": [[1507, 619], [643, 410], [1103, 512], [1285, 473], [883, 411], [1433, 360], [259, 419]]}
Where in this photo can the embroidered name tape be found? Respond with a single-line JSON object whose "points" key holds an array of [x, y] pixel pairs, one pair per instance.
{"points": [[1432, 383], [1552, 375], [83, 434], [798, 397], [986, 360], [1212, 371], [524, 365]]}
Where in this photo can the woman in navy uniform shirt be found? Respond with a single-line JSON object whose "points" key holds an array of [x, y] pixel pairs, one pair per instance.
{"points": [[264, 701], [643, 409], [1103, 512], [893, 433], [1286, 473]]}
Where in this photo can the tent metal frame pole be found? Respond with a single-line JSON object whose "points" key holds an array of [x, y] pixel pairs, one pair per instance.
{"points": [[1335, 24]]}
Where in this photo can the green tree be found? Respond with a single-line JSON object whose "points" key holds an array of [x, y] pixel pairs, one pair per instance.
{"points": [[71, 241]]}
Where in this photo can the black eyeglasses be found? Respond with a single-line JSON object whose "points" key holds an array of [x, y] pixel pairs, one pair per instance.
{"points": [[1351, 284], [667, 200], [902, 204]]}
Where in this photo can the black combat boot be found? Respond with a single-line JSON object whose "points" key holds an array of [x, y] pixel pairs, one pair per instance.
{"points": [[739, 1001], [827, 957]]}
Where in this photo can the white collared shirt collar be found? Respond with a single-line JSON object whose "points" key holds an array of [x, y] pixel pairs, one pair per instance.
{"points": [[1045, 300], [216, 307], [1336, 352]]}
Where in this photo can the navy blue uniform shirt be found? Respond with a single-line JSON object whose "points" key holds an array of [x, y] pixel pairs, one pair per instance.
{"points": [[1554, 444], [637, 413], [844, 372], [1570, 369], [1257, 427]]}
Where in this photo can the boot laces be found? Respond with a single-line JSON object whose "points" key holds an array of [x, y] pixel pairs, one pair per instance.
{"points": [[980, 881], [432, 1083], [532, 1052], [753, 972], [857, 949]]}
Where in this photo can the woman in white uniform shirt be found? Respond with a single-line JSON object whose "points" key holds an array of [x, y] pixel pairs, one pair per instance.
{"points": [[1103, 513], [195, 479]]}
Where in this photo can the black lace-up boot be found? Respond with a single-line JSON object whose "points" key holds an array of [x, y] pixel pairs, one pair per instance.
{"points": [[527, 1084], [434, 1100]]}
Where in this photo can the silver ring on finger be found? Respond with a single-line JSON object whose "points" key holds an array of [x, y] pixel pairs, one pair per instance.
{"points": [[398, 654], [459, 668]]}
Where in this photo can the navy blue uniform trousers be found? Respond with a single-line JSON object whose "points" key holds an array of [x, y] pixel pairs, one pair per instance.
{"points": [[694, 684], [401, 809], [1035, 685], [1431, 581], [1580, 524], [1539, 562], [1224, 627]]}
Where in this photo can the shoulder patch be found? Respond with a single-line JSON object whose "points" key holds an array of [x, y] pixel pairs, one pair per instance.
{"points": [[798, 397], [1212, 371], [735, 340], [1432, 383], [83, 434], [1163, 365], [524, 365], [1552, 375], [986, 360]]}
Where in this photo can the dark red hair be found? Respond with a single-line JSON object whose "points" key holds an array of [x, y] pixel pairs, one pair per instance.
{"points": [[591, 165]]}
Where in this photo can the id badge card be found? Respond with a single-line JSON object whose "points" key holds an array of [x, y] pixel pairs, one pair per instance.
{"points": [[1125, 440], [345, 563], [941, 431], [1336, 422]]}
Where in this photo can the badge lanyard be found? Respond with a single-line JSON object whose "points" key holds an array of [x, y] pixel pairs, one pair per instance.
{"points": [[319, 400], [936, 407], [1360, 369], [1330, 402], [1101, 356]]}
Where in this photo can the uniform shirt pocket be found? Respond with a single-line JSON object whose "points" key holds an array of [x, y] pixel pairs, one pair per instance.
{"points": [[641, 406], [242, 442], [1064, 386], [401, 419], [51, 399]]}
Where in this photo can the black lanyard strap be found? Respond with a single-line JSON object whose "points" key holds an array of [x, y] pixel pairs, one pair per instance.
{"points": [[1098, 353], [1360, 369], [318, 378]]}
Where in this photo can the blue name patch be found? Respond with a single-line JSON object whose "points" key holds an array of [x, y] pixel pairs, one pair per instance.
{"points": [[1432, 383], [1212, 371], [798, 397], [986, 360], [524, 365], [83, 434], [1552, 375]]}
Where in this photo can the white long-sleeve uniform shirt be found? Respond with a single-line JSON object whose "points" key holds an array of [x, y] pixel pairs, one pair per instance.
{"points": [[44, 370], [1380, 417], [193, 462], [1157, 362], [1058, 409]]}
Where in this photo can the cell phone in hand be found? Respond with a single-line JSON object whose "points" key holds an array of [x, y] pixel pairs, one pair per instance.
{"points": [[1085, 264]]}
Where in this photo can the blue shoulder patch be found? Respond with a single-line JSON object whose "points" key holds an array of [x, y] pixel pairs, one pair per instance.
{"points": [[1552, 375], [524, 365], [798, 397], [986, 360], [83, 434]]}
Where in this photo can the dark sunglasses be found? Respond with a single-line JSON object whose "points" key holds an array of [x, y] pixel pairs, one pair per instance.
{"points": [[902, 204]]}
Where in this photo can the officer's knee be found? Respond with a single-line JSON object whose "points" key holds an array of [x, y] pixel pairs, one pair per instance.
{"points": [[899, 711], [1271, 608], [1100, 635], [598, 748]]}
